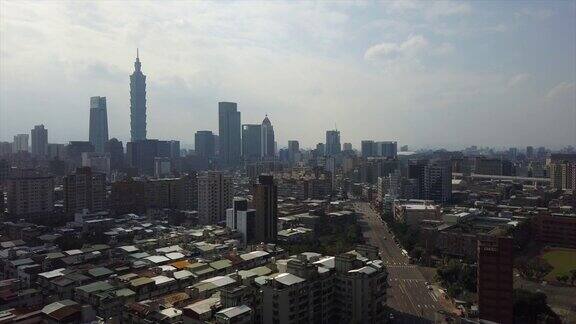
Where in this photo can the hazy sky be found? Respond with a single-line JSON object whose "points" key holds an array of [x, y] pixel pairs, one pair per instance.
{"points": [[426, 74]]}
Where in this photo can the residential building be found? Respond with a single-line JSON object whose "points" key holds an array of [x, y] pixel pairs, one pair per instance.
{"points": [[39, 137], [175, 193], [56, 151], [20, 143], [98, 162], [386, 149], [85, 189], [30, 193], [214, 196], [242, 219], [367, 148]]}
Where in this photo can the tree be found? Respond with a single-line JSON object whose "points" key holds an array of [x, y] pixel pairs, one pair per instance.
{"points": [[538, 268], [530, 307], [572, 276]]}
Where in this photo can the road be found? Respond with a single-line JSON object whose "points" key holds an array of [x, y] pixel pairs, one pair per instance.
{"points": [[407, 293]]}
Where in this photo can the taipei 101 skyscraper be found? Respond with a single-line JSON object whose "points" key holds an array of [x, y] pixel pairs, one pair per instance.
{"points": [[137, 102]]}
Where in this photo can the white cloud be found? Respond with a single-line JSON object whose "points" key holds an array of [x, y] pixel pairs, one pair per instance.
{"points": [[411, 47], [561, 89], [535, 13], [518, 79]]}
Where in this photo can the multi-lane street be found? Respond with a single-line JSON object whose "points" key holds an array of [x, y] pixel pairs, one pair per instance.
{"points": [[408, 295]]}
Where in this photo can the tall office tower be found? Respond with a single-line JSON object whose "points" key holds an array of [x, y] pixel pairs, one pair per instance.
{"points": [[293, 151], [439, 181], [56, 151], [368, 149], [529, 152], [204, 144], [84, 190], [495, 281], [251, 142], [214, 197], [240, 218], [20, 143], [347, 147], [98, 123], [115, 149], [39, 137], [333, 142], [265, 202], [229, 133], [320, 149], [30, 193], [137, 103], [386, 149], [267, 142]]}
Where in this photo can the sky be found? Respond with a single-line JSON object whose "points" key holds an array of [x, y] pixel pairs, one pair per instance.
{"points": [[426, 74]]}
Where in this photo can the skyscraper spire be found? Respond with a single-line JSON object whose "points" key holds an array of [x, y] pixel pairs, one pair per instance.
{"points": [[137, 65], [137, 102]]}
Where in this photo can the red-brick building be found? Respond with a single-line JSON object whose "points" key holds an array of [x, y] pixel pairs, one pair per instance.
{"points": [[495, 281]]}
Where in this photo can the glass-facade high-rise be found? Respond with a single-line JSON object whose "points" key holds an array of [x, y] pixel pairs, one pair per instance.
{"points": [[229, 133], [267, 141], [98, 134], [137, 103]]}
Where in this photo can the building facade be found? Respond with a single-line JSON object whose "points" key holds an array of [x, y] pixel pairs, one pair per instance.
{"points": [[204, 144], [30, 193], [265, 201], [98, 123], [39, 137], [85, 189], [267, 139], [495, 281], [214, 196], [229, 133], [333, 146]]}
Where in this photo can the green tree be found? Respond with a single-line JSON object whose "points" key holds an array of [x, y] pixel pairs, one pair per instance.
{"points": [[530, 307], [572, 275]]}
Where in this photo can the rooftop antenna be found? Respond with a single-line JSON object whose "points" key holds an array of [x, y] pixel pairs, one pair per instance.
{"points": [[137, 53]]}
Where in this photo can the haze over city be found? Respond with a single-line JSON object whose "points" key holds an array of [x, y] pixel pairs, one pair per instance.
{"points": [[426, 74]]}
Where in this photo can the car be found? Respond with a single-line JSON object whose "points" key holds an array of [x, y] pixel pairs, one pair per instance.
{"points": [[427, 283], [430, 288]]}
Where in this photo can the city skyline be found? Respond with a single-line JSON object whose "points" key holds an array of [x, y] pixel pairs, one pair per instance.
{"points": [[430, 80]]}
